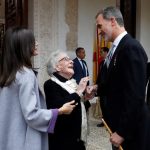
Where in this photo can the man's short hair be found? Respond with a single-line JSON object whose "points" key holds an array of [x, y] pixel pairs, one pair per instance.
{"points": [[111, 11], [79, 49]]}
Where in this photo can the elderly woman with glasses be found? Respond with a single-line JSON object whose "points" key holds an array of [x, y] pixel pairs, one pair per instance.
{"points": [[70, 131]]}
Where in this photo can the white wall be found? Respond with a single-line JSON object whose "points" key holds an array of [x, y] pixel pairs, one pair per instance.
{"points": [[143, 25], [62, 26]]}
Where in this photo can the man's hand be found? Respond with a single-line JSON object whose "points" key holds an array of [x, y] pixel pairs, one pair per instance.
{"points": [[116, 139], [82, 85], [89, 92], [91, 89]]}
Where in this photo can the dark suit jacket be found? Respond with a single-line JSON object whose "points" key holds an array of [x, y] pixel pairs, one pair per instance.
{"points": [[78, 75], [78, 71], [122, 87], [148, 85], [68, 127], [98, 90]]}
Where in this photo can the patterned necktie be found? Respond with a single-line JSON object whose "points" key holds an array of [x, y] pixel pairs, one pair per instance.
{"points": [[83, 68], [109, 56]]}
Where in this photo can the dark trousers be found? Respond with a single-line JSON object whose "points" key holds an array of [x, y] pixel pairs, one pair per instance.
{"points": [[66, 144], [126, 146], [114, 148]]}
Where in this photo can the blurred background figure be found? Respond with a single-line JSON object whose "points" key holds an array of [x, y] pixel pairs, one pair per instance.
{"points": [[80, 69], [100, 103], [80, 66]]}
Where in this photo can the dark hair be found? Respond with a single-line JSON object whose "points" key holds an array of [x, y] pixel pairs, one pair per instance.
{"points": [[105, 49], [17, 51], [111, 11], [79, 49]]}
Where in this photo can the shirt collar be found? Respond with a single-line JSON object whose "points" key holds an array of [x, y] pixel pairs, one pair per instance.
{"points": [[119, 37], [62, 79], [79, 59]]}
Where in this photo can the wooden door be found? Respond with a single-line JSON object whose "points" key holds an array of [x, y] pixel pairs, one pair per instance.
{"points": [[128, 9], [16, 13]]}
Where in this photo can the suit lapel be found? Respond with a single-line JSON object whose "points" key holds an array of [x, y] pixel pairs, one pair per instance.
{"points": [[80, 67], [78, 63], [114, 58], [86, 67]]}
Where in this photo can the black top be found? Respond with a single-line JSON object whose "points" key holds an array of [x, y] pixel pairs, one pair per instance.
{"points": [[68, 127]]}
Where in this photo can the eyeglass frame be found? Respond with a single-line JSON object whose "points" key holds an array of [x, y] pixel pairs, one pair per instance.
{"points": [[65, 58]]}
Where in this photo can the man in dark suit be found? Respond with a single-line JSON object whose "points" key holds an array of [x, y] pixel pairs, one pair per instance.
{"points": [[80, 66], [80, 69], [122, 84]]}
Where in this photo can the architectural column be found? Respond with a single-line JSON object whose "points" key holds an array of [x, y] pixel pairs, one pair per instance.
{"points": [[45, 27]]}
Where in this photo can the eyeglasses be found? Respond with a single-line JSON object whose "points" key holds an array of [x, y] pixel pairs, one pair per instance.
{"points": [[65, 58]]}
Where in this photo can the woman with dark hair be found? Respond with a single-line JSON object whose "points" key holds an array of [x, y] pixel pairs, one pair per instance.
{"points": [[24, 119]]}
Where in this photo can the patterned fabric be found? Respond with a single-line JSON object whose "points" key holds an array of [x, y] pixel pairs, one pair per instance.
{"points": [[109, 56], [83, 68]]}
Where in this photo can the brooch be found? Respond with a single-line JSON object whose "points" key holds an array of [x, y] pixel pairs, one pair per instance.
{"points": [[115, 59]]}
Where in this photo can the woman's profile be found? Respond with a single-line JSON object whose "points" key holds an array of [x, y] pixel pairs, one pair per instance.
{"points": [[24, 119]]}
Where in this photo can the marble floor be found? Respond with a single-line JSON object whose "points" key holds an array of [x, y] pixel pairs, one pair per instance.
{"points": [[98, 138]]}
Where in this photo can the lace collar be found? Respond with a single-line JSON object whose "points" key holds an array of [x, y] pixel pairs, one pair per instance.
{"points": [[68, 85]]}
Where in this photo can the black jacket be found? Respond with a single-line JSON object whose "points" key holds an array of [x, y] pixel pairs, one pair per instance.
{"points": [[68, 127], [122, 86]]}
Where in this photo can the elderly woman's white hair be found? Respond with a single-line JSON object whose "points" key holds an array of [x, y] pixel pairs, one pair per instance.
{"points": [[53, 60]]}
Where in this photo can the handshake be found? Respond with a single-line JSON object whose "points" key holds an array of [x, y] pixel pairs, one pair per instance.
{"points": [[90, 92]]}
